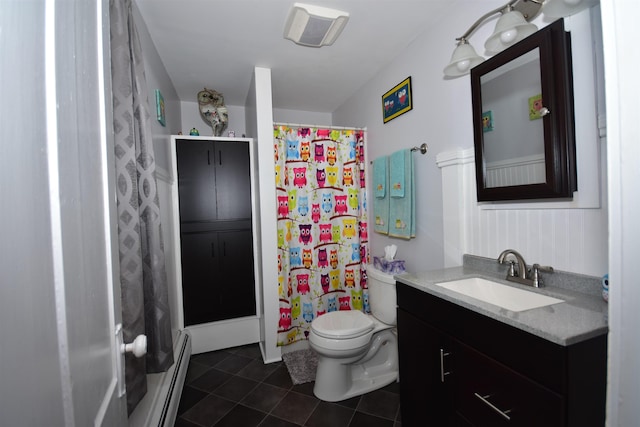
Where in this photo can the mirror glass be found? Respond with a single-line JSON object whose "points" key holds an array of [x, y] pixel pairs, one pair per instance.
{"points": [[513, 131], [523, 121]]}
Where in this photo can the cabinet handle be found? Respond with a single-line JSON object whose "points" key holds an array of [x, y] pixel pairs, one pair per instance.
{"points": [[492, 406], [220, 157], [224, 248], [208, 157], [213, 253], [442, 372]]}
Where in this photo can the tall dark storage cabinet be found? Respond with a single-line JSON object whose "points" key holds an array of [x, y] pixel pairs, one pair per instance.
{"points": [[214, 187]]}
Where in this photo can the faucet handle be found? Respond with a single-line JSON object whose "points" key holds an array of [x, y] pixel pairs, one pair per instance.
{"points": [[546, 268], [535, 273], [512, 269]]}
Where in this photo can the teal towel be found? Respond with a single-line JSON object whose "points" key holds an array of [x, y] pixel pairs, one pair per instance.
{"points": [[380, 176], [398, 173], [402, 210], [381, 199]]}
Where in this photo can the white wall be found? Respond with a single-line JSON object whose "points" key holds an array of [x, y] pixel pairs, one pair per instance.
{"points": [[622, 59], [441, 117], [259, 109], [238, 116], [158, 78], [191, 118], [281, 115], [28, 292]]}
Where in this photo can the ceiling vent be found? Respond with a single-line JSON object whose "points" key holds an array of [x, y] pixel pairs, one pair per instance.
{"points": [[314, 26]]}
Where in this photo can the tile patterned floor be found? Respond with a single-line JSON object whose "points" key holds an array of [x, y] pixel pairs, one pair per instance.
{"points": [[233, 387]]}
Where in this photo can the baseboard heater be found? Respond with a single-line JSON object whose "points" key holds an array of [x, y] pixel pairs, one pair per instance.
{"points": [[159, 407]]}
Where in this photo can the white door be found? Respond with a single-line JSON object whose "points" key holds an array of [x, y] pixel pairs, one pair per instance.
{"points": [[58, 246]]}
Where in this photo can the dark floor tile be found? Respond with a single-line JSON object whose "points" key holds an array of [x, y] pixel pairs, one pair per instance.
{"points": [[280, 378], [252, 351], [295, 407], [209, 410], [350, 403], [271, 421], [306, 388], [194, 371], [233, 364], [365, 420], [241, 416], [380, 403], [330, 415], [264, 397], [394, 387], [211, 380], [211, 358], [235, 389], [190, 396], [181, 422], [257, 370]]}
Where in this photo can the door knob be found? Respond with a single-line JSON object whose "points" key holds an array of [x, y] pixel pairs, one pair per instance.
{"points": [[138, 347]]}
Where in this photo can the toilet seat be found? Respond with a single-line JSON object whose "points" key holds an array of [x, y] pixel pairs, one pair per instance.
{"points": [[342, 324]]}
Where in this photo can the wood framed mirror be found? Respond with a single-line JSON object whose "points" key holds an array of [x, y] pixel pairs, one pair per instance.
{"points": [[523, 120]]}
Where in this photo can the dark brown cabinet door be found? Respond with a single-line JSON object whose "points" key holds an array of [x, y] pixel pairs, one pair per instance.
{"points": [[214, 187], [196, 180], [489, 394], [238, 292], [233, 185], [201, 277], [426, 373]]}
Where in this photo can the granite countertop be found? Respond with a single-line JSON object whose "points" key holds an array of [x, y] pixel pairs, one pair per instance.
{"points": [[581, 316]]}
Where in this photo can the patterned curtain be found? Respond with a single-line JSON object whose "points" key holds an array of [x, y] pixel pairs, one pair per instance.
{"points": [[145, 302], [322, 226]]}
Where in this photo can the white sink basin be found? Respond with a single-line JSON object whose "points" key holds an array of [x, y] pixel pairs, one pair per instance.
{"points": [[504, 296]]}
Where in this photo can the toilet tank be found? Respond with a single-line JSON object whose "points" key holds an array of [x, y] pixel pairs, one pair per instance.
{"points": [[382, 295]]}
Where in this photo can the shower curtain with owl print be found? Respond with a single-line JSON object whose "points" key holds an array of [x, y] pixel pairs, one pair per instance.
{"points": [[322, 225]]}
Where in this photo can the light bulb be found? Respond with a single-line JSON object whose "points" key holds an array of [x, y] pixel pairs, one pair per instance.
{"points": [[508, 36], [463, 65]]}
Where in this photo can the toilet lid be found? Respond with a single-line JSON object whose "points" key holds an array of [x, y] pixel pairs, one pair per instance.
{"points": [[342, 324]]}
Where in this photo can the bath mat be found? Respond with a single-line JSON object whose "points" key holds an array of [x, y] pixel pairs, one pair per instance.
{"points": [[301, 365]]}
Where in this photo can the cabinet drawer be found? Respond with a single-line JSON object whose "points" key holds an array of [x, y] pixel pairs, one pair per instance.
{"points": [[490, 394]]}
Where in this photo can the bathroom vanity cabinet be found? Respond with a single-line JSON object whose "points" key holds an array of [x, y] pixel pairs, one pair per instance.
{"points": [[462, 368]]}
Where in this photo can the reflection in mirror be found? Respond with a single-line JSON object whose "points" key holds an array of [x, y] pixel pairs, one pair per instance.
{"points": [[513, 133], [523, 122]]}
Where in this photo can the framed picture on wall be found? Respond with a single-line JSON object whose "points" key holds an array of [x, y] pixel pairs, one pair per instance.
{"points": [[487, 121], [397, 100], [535, 105], [160, 108]]}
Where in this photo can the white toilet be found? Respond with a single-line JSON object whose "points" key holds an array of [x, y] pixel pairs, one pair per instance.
{"points": [[357, 352]]}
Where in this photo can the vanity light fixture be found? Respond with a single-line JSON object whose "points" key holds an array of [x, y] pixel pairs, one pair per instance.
{"points": [[512, 26], [314, 26]]}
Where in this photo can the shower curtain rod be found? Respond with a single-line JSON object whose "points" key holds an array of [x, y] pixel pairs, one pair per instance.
{"points": [[302, 125]]}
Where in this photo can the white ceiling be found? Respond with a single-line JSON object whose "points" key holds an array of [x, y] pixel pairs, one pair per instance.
{"points": [[217, 44]]}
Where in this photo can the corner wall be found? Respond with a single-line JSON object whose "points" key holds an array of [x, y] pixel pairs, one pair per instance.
{"points": [[441, 117], [259, 124]]}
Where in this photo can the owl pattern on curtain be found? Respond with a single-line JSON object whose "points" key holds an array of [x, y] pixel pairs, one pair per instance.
{"points": [[322, 226]]}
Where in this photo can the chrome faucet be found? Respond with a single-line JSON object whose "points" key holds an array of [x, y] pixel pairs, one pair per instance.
{"points": [[524, 275], [522, 266]]}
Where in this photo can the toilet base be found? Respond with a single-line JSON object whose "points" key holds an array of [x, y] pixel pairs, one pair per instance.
{"points": [[339, 379]]}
